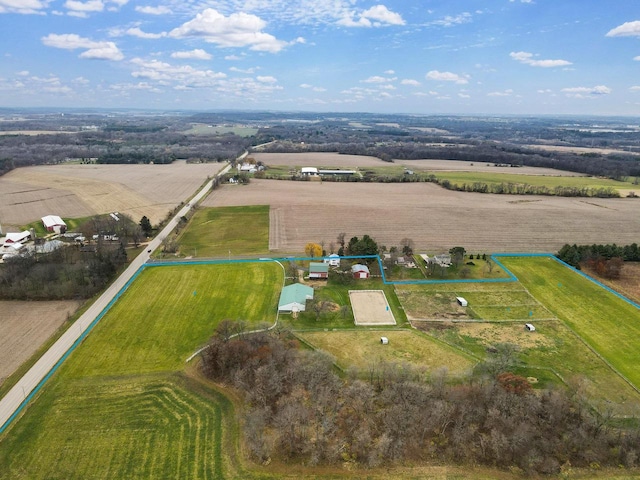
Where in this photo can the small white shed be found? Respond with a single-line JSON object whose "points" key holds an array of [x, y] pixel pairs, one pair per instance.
{"points": [[384, 340], [529, 327], [462, 301]]}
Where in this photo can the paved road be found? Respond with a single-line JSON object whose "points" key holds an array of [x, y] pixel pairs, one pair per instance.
{"points": [[13, 400]]}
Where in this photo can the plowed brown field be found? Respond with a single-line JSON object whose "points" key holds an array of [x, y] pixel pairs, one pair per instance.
{"points": [[81, 190], [24, 326], [436, 219]]}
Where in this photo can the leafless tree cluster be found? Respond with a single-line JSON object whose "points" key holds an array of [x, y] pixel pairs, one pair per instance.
{"points": [[300, 410]]}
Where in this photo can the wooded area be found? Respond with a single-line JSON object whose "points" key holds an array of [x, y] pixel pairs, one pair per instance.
{"points": [[299, 410]]}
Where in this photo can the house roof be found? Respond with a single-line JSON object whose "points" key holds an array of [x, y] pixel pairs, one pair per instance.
{"points": [[52, 221], [14, 237], [316, 267], [296, 293]]}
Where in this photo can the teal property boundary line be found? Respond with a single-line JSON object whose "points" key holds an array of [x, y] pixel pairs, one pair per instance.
{"points": [[495, 257], [78, 341]]}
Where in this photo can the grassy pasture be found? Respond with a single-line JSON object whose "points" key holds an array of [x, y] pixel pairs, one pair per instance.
{"points": [[606, 322], [213, 232], [362, 349], [121, 406]]}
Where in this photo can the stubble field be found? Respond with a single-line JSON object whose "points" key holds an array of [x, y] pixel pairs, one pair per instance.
{"points": [[24, 326], [82, 190], [436, 219]]}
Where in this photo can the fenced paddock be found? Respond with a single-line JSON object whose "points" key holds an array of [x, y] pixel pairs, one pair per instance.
{"points": [[370, 308]]}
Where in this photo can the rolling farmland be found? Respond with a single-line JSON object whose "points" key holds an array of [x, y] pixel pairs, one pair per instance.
{"points": [[82, 190], [436, 219], [123, 406]]}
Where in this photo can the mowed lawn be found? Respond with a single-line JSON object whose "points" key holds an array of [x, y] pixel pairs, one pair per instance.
{"points": [[224, 231], [604, 321], [121, 405]]}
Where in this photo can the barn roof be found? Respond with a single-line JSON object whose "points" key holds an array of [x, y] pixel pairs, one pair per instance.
{"points": [[295, 293], [359, 268], [316, 267], [15, 237], [52, 220]]}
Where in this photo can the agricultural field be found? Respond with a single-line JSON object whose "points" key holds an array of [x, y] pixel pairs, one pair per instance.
{"points": [[363, 350], [220, 232], [72, 191], [204, 129], [435, 218], [25, 326], [125, 404]]}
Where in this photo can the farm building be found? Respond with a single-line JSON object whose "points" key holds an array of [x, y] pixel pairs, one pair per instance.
{"points": [[337, 173], [54, 223], [462, 301], [529, 327], [384, 340], [293, 298], [333, 260], [443, 260], [360, 271], [318, 270], [16, 237], [309, 171]]}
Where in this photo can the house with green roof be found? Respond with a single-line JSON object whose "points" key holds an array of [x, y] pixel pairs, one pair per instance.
{"points": [[293, 298]]}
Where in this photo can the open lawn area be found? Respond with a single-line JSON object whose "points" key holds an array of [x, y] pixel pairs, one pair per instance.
{"points": [[363, 349], [122, 405], [226, 231]]}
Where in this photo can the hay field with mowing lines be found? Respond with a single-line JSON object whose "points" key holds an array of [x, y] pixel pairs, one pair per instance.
{"points": [[607, 323], [121, 406], [363, 349], [435, 218], [24, 326], [82, 190], [213, 232]]}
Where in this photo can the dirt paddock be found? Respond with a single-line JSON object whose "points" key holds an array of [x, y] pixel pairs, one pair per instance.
{"points": [[370, 308]]}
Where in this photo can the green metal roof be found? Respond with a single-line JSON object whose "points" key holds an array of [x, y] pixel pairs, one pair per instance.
{"points": [[295, 293], [316, 267]]}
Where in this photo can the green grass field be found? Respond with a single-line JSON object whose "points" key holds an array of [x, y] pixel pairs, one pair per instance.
{"points": [[203, 129], [362, 349], [214, 232], [121, 405], [607, 323]]}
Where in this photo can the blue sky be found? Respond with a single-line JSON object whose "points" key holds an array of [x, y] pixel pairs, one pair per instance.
{"points": [[389, 56]]}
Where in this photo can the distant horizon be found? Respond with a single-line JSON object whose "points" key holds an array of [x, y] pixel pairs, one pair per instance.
{"points": [[469, 57], [53, 110]]}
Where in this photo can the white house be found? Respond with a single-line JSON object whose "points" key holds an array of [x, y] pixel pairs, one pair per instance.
{"points": [[333, 260], [309, 171], [54, 223]]}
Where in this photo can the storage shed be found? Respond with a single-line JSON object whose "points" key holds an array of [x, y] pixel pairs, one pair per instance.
{"points": [[462, 301], [360, 271], [529, 327], [384, 340], [333, 260]]}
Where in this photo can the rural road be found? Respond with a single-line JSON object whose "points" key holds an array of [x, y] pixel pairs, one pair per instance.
{"points": [[12, 402]]}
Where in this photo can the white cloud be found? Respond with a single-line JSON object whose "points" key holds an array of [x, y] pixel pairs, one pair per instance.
{"points": [[637, 59], [93, 50], [266, 79], [378, 79], [236, 30], [197, 54], [249, 71], [376, 16], [506, 93], [581, 92], [315, 89], [23, 6], [184, 74], [450, 21], [447, 77], [233, 58], [635, 88], [464, 95], [527, 59], [84, 7], [389, 72], [627, 29], [409, 81], [160, 10], [137, 32]]}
